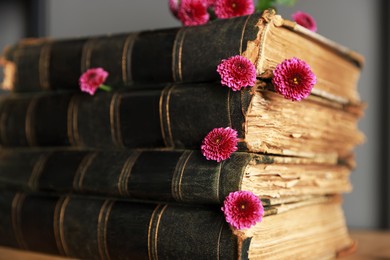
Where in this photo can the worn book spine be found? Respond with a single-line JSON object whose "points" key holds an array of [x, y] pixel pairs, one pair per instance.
{"points": [[164, 55], [182, 176], [137, 118], [183, 54], [37, 120], [179, 116], [93, 228], [179, 175]]}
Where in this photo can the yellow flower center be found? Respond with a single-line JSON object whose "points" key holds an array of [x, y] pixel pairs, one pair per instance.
{"points": [[242, 206], [295, 80], [234, 5]]}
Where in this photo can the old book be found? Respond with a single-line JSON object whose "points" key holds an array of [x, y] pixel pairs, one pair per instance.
{"points": [[180, 116], [178, 175], [183, 54], [92, 228]]}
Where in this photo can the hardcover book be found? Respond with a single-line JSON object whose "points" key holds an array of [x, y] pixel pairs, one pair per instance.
{"points": [[178, 175], [180, 116], [183, 54], [94, 228]]}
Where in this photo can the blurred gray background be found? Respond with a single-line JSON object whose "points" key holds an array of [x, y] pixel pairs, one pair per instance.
{"points": [[357, 24]]}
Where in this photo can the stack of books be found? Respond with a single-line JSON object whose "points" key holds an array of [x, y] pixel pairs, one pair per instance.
{"points": [[122, 174]]}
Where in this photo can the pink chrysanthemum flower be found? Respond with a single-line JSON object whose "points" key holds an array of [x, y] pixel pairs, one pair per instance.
{"points": [[193, 12], [93, 79], [174, 6], [237, 72], [211, 3], [305, 20], [293, 79], [242, 209], [219, 144], [232, 8]]}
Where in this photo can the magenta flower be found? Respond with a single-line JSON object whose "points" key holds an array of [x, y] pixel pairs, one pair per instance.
{"points": [[174, 6], [305, 20], [93, 79], [193, 12], [232, 8], [237, 72], [219, 144], [211, 3], [242, 209], [293, 79]]}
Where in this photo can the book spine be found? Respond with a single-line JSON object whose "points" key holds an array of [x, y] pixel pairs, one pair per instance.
{"points": [[92, 228], [163, 55], [177, 117], [114, 119], [38, 120], [182, 176]]}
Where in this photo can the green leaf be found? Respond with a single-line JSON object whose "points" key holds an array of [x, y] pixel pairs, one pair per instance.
{"points": [[264, 4], [286, 2]]}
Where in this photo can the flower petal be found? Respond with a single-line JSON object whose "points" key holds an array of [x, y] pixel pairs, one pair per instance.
{"points": [[90, 80], [293, 79], [237, 72], [219, 144], [242, 209]]}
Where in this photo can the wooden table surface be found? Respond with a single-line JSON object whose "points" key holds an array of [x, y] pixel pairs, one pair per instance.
{"points": [[370, 245]]}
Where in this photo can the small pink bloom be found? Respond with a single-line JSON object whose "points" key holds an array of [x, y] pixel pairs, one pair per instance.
{"points": [[211, 3], [232, 8], [305, 20], [91, 80], [219, 144], [174, 6], [293, 79], [242, 209], [237, 72], [193, 12]]}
